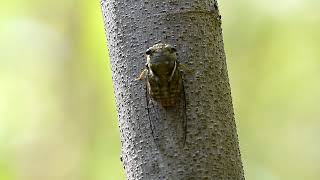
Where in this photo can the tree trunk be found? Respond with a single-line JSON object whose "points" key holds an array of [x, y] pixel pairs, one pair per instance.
{"points": [[211, 150]]}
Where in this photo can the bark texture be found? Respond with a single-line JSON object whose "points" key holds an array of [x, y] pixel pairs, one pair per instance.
{"points": [[194, 27]]}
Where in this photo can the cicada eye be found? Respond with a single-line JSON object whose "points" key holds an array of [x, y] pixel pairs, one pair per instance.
{"points": [[148, 51], [173, 49]]}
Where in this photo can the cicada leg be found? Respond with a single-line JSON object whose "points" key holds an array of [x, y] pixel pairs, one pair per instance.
{"points": [[142, 75]]}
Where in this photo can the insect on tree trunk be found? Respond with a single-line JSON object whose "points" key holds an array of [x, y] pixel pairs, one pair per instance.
{"points": [[211, 149]]}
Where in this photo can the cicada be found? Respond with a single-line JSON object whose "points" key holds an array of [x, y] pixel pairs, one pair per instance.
{"points": [[164, 80]]}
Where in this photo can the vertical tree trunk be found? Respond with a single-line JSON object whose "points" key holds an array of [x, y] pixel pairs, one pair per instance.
{"points": [[194, 27]]}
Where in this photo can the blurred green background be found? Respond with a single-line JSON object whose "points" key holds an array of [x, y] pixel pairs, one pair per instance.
{"points": [[57, 112]]}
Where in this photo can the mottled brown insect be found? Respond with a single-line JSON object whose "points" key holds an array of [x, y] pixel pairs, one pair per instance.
{"points": [[164, 83], [162, 75]]}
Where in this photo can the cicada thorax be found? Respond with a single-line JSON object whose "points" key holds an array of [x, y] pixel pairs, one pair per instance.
{"points": [[165, 85]]}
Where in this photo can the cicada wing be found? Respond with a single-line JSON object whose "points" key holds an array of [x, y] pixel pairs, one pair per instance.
{"points": [[184, 114], [180, 111], [168, 123], [154, 114], [148, 109]]}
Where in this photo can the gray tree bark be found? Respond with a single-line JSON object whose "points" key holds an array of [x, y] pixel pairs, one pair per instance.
{"points": [[211, 150]]}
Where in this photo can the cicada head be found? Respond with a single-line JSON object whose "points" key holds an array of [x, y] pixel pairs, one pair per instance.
{"points": [[161, 58]]}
